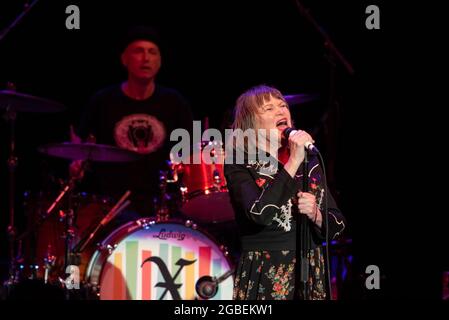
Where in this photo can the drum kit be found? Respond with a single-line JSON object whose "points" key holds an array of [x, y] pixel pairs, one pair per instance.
{"points": [[67, 245]]}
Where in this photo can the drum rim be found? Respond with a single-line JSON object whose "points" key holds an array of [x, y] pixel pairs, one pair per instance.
{"points": [[186, 210], [96, 263]]}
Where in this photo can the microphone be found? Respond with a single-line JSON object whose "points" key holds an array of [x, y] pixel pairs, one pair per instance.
{"points": [[309, 145]]}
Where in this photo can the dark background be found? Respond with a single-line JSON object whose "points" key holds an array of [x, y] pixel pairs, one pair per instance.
{"points": [[213, 52]]}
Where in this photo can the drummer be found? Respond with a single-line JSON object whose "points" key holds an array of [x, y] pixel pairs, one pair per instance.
{"points": [[138, 115]]}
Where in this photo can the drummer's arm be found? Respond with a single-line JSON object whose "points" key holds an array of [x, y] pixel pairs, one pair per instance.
{"points": [[76, 167]]}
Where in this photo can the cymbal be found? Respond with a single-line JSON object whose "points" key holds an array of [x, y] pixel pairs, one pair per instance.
{"points": [[89, 151], [21, 102], [294, 99]]}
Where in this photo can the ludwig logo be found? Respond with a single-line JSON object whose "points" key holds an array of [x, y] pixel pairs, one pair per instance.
{"points": [[164, 235]]}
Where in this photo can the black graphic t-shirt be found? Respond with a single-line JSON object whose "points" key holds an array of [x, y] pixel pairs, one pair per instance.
{"points": [[142, 126]]}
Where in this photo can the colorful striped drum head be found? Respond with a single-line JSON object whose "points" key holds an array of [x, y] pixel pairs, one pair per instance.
{"points": [[157, 261]]}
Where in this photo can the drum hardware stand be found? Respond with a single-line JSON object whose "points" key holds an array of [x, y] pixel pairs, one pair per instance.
{"points": [[174, 197], [215, 173], [179, 169], [217, 179], [171, 178], [68, 216], [162, 210], [49, 263], [12, 162], [10, 117], [168, 198]]}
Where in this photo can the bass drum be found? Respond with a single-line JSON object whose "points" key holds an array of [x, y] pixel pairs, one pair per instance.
{"points": [[146, 260]]}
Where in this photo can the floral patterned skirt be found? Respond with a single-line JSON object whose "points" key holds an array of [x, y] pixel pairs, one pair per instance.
{"points": [[270, 275]]}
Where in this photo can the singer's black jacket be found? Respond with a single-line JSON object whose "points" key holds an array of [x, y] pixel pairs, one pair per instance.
{"points": [[263, 195]]}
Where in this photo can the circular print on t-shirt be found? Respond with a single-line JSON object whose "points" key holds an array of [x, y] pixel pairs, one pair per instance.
{"points": [[140, 133]]}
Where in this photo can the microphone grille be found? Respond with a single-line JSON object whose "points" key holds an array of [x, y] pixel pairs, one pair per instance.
{"points": [[286, 132]]}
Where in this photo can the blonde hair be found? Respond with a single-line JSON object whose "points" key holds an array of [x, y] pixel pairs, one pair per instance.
{"points": [[247, 107]]}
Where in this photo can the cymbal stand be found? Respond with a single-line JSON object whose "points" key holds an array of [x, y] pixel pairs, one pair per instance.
{"points": [[10, 117], [67, 215], [162, 211], [19, 18]]}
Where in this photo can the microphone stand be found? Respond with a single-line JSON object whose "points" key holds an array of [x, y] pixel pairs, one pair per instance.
{"points": [[304, 233], [333, 56]]}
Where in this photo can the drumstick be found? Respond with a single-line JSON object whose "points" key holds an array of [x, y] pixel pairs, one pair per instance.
{"points": [[117, 211], [119, 206], [112, 213]]}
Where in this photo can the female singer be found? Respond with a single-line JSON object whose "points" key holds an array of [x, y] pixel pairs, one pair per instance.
{"points": [[268, 200]]}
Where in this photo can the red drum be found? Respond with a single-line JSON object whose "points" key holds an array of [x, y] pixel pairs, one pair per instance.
{"points": [[203, 186]]}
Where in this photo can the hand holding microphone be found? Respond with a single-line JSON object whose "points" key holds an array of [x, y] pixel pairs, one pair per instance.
{"points": [[290, 133], [298, 141]]}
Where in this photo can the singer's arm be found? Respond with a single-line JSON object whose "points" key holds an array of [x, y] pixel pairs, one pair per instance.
{"points": [[260, 204], [291, 166], [336, 220]]}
